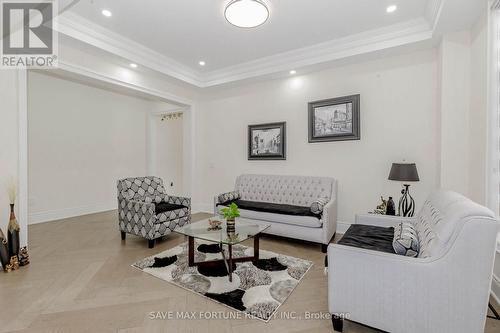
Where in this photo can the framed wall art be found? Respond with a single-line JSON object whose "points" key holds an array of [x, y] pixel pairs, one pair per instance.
{"points": [[267, 141], [335, 119]]}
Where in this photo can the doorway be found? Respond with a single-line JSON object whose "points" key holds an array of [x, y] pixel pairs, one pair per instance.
{"points": [[169, 132], [103, 128]]}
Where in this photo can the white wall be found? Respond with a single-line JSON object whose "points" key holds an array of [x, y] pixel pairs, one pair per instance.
{"points": [[398, 121], [9, 152], [81, 140], [169, 153], [463, 103], [478, 133], [454, 106]]}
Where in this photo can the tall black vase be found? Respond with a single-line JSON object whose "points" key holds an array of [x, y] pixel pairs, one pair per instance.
{"points": [[391, 207], [13, 234], [4, 251]]}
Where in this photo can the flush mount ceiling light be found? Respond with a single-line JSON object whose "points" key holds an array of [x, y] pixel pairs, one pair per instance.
{"points": [[293, 72], [246, 13], [106, 13], [202, 63], [133, 65]]}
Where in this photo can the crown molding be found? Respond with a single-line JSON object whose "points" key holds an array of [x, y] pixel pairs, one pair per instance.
{"points": [[86, 72], [409, 32], [87, 31], [375, 40], [433, 12]]}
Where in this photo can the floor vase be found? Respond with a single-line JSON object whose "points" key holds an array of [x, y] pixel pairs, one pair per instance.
{"points": [[13, 234]]}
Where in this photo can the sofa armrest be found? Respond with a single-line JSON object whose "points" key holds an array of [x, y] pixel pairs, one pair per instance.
{"points": [[141, 208], [329, 219], [217, 201], [124, 195], [381, 220], [179, 201], [373, 286]]}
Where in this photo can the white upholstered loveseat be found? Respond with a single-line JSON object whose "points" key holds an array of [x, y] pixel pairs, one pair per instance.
{"points": [[285, 193], [445, 289]]}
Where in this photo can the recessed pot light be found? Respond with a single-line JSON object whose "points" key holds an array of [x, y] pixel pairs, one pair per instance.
{"points": [[293, 72], [133, 65], [106, 13], [246, 13], [391, 8], [202, 63]]}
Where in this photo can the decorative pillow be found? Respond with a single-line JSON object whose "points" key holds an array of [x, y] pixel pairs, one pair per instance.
{"points": [[229, 196], [405, 240], [318, 205]]}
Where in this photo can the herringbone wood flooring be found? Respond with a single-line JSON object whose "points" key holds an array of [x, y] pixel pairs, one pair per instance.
{"points": [[80, 280]]}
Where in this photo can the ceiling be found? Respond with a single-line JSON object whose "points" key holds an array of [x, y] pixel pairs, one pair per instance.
{"points": [[173, 36], [192, 30]]}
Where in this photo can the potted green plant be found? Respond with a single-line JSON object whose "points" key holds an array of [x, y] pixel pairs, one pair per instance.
{"points": [[230, 214]]}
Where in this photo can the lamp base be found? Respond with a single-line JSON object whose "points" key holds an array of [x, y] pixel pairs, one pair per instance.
{"points": [[406, 203]]}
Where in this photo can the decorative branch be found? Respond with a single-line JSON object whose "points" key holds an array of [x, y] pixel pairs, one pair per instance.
{"points": [[12, 191]]}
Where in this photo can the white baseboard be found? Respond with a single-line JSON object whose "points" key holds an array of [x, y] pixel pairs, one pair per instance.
{"points": [[57, 214]]}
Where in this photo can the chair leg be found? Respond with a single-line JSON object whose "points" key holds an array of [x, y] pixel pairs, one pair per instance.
{"points": [[151, 243], [338, 323], [123, 235]]}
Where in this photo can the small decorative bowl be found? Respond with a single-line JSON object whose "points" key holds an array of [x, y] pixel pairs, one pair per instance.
{"points": [[214, 224]]}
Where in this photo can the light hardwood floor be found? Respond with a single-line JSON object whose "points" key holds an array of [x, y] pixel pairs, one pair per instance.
{"points": [[80, 280]]}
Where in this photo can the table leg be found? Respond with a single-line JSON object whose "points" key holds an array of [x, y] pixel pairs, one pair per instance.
{"points": [[256, 249], [230, 250], [191, 251]]}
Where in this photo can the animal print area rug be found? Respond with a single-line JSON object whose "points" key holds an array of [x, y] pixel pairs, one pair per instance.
{"points": [[257, 290]]}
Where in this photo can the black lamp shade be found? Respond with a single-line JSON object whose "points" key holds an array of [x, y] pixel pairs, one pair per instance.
{"points": [[404, 172]]}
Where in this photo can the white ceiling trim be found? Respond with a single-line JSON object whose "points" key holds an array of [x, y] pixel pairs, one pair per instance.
{"points": [[371, 41], [433, 11], [405, 33], [86, 31], [83, 71]]}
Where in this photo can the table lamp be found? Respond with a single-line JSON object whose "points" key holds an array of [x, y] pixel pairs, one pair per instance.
{"points": [[405, 172]]}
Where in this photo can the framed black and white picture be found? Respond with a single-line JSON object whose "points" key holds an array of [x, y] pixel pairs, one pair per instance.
{"points": [[335, 119], [267, 141]]}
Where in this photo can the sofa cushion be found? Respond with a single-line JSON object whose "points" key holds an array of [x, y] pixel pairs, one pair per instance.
{"points": [[171, 215], [369, 237], [163, 207], [297, 220], [405, 240], [269, 207]]}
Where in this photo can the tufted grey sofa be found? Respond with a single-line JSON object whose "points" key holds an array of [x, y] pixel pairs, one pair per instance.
{"points": [[290, 190], [445, 289]]}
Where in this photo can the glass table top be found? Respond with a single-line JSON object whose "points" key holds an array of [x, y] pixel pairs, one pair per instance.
{"points": [[244, 230]]}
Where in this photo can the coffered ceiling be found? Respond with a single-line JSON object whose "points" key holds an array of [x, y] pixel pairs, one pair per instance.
{"points": [[173, 36]]}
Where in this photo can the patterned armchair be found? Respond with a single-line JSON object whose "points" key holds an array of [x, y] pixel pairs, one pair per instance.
{"points": [[144, 209]]}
